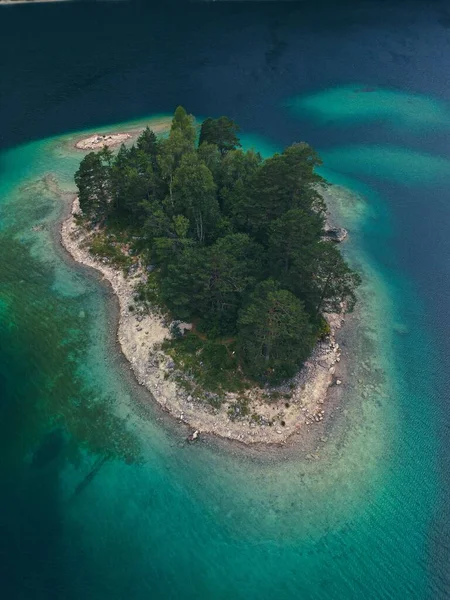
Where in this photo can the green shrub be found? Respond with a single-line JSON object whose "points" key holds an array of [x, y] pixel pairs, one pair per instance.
{"points": [[211, 364], [149, 291], [240, 408], [102, 247], [323, 329]]}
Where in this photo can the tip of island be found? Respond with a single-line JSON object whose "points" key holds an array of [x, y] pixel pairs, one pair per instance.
{"points": [[227, 270]]}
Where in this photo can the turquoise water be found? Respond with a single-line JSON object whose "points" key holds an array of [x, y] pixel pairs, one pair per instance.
{"points": [[355, 103], [128, 511], [98, 496], [407, 167]]}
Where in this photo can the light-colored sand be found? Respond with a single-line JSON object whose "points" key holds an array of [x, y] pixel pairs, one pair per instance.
{"points": [[98, 140], [138, 335]]}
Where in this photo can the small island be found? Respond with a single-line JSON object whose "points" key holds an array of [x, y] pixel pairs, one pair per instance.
{"points": [[230, 281]]}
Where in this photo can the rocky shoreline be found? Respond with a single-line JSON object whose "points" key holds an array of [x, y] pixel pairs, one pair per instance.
{"points": [[98, 141], [301, 403]]}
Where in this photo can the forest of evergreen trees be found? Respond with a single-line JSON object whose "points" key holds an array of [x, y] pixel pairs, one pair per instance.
{"points": [[237, 241]]}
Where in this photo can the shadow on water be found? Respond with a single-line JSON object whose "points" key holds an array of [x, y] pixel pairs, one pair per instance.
{"points": [[31, 534], [49, 450], [90, 476], [49, 417], [32, 549]]}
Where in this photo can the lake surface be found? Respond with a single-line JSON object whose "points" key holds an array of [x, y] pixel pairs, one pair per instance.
{"points": [[99, 498]]}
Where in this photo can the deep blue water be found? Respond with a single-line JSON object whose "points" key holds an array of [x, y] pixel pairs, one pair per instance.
{"points": [[69, 67]]}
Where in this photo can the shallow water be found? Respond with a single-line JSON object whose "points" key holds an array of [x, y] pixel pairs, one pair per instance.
{"points": [[100, 498]]}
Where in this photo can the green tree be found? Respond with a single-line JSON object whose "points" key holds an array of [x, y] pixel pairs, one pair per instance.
{"points": [[171, 151], [290, 237], [93, 183], [169, 239], [118, 179], [233, 265], [332, 281], [148, 143], [185, 278], [275, 335], [237, 165], [210, 155], [222, 132], [184, 124], [181, 141], [132, 181], [236, 168], [234, 203], [194, 194]]}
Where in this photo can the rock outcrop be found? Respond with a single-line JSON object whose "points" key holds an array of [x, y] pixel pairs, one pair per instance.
{"points": [[336, 234]]}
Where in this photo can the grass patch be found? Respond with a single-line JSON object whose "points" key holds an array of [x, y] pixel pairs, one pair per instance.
{"points": [[272, 397], [240, 408], [103, 246], [323, 329], [211, 364]]}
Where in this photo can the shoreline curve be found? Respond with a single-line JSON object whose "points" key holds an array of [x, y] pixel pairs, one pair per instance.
{"points": [[140, 334]]}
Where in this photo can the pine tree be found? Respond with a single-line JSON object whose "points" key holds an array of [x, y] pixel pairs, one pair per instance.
{"points": [[92, 180], [222, 132], [275, 335]]}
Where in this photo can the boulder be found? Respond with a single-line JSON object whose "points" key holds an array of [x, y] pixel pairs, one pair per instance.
{"points": [[336, 234], [193, 436]]}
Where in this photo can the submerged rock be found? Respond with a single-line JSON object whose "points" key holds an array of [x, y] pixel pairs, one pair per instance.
{"points": [[193, 436]]}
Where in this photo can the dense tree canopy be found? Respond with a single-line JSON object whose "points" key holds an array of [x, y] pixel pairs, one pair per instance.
{"points": [[275, 332], [237, 241]]}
